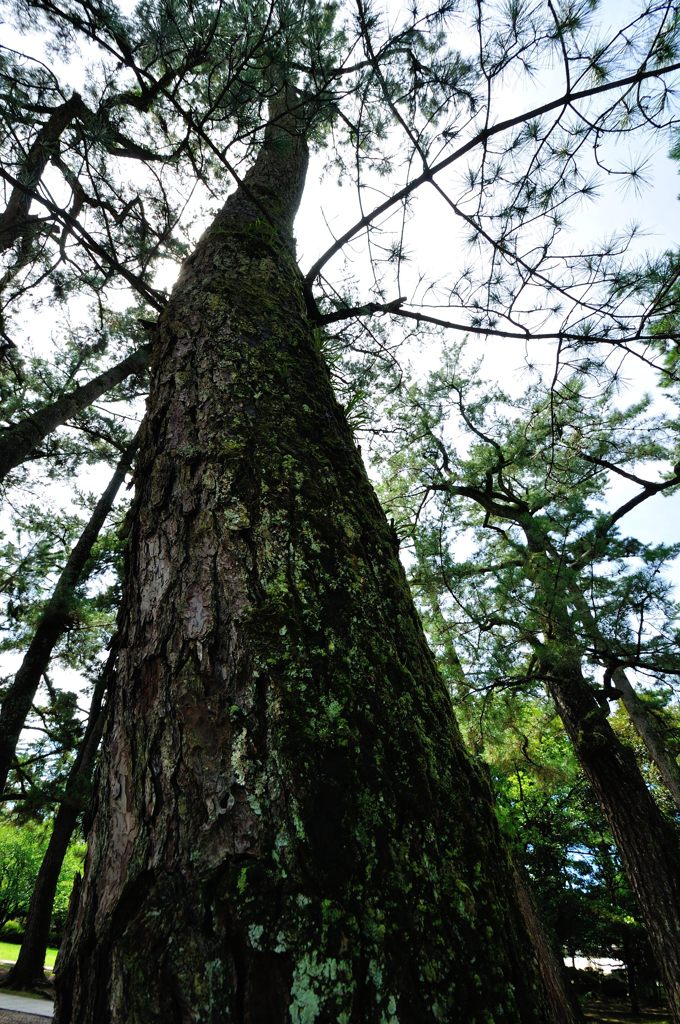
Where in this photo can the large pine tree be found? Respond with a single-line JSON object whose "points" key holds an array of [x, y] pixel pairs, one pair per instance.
{"points": [[287, 826]]}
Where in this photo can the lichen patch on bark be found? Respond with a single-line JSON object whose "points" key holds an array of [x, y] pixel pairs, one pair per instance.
{"points": [[307, 840]]}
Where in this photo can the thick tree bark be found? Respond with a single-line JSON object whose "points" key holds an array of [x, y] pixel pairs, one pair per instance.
{"points": [[28, 972], [19, 440], [54, 621], [652, 733], [647, 844], [288, 828]]}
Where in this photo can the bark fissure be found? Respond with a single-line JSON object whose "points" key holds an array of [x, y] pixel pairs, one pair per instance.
{"points": [[316, 805]]}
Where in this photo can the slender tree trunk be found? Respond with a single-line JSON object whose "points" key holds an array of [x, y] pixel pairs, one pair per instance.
{"points": [[28, 972], [652, 733], [19, 440], [647, 844], [630, 957], [563, 1005], [53, 623], [288, 828]]}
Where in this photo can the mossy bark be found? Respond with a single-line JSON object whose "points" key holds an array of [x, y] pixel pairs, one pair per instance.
{"points": [[288, 828]]}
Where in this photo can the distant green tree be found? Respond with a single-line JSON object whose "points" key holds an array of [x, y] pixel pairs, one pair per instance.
{"points": [[20, 854], [552, 589], [557, 828], [22, 848]]}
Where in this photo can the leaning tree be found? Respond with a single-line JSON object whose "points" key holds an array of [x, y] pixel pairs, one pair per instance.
{"points": [[286, 823]]}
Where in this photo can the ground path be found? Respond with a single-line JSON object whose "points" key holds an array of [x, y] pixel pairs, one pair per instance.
{"points": [[15, 1009], [10, 1017]]}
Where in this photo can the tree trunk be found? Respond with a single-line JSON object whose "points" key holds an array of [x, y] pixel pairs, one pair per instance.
{"points": [[647, 844], [563, 1006], [53, 623], [629, 956], [648, 726], [288, 828], [19, 440], [28, 972], [652, 733]]}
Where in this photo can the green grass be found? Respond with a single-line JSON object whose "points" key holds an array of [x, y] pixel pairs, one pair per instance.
{"points": [[10, 951]]}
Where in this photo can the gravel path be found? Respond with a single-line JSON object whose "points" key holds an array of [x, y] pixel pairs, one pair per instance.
{"points": [[10, 1017]]}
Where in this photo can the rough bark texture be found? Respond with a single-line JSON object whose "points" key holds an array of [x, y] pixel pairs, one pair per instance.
{"points": [[28, 972], [647, 844], [19, 440], [53, 623], [288, 828]]}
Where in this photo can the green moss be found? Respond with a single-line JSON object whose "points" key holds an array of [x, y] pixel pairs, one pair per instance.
{"points": [[316, 739], [321, 988]]}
